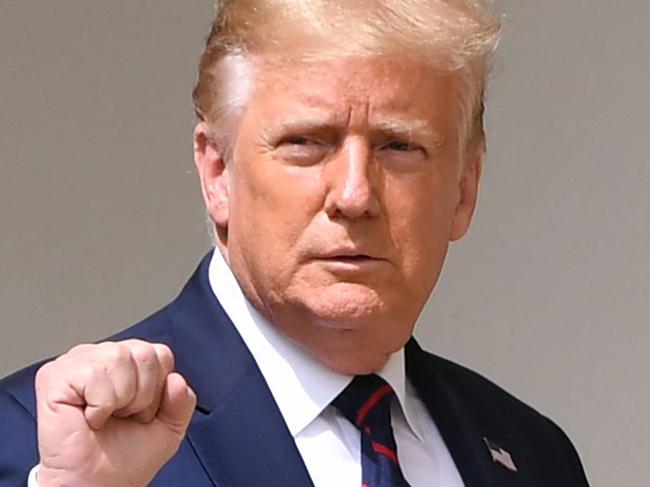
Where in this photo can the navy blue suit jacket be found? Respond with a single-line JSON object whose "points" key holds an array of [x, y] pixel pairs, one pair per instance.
{"points": [[238, 438]]}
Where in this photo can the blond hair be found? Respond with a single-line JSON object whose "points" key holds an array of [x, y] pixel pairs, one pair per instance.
{"points": [[457, 35]]}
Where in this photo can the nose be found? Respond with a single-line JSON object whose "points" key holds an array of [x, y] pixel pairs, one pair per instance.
{"points": [[352, 181]]}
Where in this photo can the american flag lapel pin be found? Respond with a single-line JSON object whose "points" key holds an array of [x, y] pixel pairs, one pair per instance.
{"points": [[499, 455]]}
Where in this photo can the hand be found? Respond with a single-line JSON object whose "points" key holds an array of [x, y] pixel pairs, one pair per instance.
{"points": [[110, 414]]}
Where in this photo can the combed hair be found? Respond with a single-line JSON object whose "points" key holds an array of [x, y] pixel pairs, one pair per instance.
{"points": [[456, 35]]}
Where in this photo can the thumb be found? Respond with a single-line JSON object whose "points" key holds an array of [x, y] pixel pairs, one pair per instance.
{"points": [[177, 404]]}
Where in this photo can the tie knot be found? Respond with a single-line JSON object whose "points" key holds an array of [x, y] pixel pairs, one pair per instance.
{"points": [[365, 400]]}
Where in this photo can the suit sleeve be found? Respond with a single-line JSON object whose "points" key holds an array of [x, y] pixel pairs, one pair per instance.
{"points": [[569, 456], [579, 475], [18, 442]]}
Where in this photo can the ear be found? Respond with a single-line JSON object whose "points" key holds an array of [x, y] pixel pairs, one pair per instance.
{"points": [[213, 175], [468, 194]]}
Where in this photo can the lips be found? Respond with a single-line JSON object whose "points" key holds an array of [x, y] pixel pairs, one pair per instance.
{"points": [[351, 258], [349, 254], [352, 264]]}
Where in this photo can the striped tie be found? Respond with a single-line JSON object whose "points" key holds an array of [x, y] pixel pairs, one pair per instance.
{"points": [[366, 403]]}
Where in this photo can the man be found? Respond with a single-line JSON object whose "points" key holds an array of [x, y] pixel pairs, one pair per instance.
{"points": [[339, 149]]}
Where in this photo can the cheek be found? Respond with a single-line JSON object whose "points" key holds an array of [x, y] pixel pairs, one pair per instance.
{"points": [[276, 204], [421, 214]]}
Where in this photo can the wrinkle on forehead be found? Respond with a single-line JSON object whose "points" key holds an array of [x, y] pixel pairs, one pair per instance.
{"points": [[378, 83]]}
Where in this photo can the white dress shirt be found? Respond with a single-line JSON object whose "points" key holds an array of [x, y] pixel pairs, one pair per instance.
{"points": [[303, 389]]}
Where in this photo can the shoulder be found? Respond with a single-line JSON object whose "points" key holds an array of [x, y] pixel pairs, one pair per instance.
{"points": [[18, 447], [488, 402], [483, 396], [495, 414]]}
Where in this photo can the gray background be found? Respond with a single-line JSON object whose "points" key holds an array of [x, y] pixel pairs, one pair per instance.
{"points": [[101, 221]]}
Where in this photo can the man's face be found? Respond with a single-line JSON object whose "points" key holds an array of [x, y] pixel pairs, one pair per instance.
{"points": [[345, 188]]}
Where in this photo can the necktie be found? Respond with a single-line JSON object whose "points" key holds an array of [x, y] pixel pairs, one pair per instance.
{"points": [[366, 403]]}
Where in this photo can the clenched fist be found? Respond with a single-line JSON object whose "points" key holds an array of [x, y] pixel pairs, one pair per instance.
{"points": [[110, 414]]}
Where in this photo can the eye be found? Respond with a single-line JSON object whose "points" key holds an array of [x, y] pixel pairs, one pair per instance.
{"points": [[298, 140], [401, 154], [302, 150], [400, 146]]}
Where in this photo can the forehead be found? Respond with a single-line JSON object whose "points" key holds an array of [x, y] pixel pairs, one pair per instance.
{"points": [[385, 87]]}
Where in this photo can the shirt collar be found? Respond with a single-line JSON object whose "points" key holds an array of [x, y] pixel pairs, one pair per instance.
{"points": [[301, 385], [394, 373]]}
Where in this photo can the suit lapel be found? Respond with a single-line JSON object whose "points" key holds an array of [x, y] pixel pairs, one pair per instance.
{"points": [[460, 429], [245, 442], [237, 431]]}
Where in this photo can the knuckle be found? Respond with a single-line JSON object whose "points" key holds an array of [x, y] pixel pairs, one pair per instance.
{"points": [[109, 403], [162, 349], [80, 349], [91, 373], [43, 375], [165, 355], [113, 352], [144, 354]]}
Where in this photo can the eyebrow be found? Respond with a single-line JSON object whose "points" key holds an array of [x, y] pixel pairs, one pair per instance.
{"points": [[306, 119], [410, 128], [400, 125], [397, 125], [391, 123]]}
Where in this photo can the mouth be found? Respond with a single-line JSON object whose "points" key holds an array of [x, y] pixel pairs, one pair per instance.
{"points": [[349, 254], [351, 261], [351, 258]]}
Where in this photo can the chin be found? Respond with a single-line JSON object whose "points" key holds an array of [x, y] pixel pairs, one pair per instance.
{"points": [[352, 328], [356, 352], [347, 306]]}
